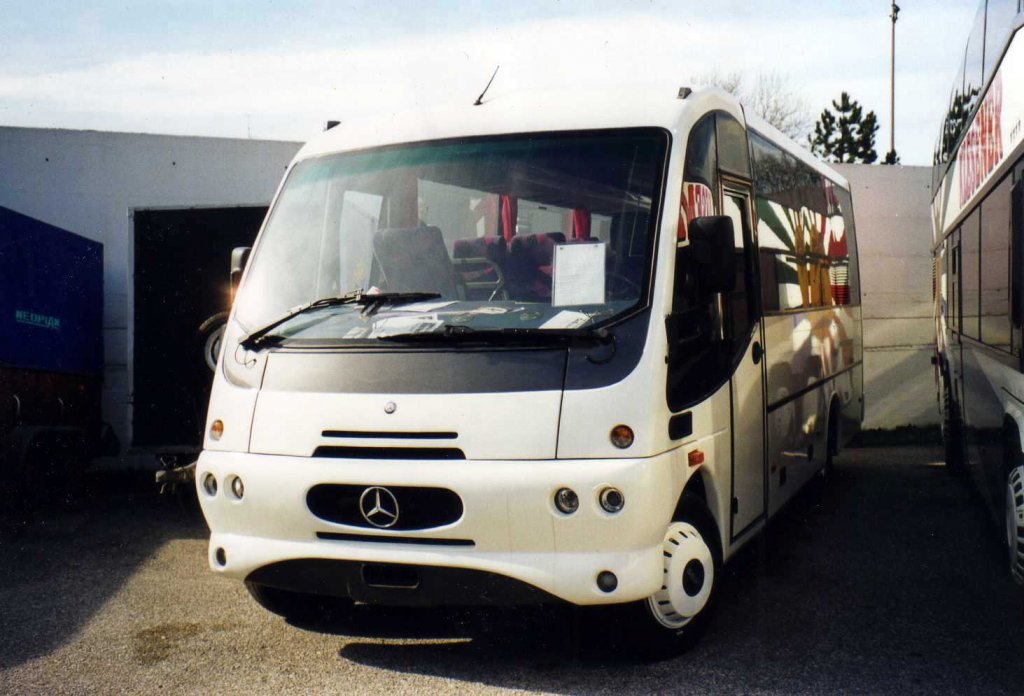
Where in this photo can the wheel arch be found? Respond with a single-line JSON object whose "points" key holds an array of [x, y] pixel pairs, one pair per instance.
{"points": [[703, 485], [1013, 420]]}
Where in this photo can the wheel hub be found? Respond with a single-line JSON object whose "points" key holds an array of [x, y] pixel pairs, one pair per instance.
{"points": [[689, 572]]}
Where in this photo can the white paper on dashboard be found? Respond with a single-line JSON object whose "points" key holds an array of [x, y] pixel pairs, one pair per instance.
{"points": [[424, 306], [578, 274], [566, 319], [414, 324]]}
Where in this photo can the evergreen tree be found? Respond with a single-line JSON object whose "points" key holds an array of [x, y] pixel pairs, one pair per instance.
{"points": [[891, 158], [846, 134]]}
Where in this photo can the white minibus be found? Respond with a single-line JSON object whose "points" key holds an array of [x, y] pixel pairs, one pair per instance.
{"points": [[562, 346]]}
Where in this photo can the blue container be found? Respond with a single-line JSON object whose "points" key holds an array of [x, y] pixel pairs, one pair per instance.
{"points": [[51, 297]]}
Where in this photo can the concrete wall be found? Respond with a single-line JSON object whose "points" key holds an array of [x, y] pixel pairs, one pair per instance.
{"points": [[89, 182], [891, 205]]}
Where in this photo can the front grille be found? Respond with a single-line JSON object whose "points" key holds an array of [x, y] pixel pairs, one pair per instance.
{"points": [[341, 452], [391, 435], [418, 507], [381, 539]]}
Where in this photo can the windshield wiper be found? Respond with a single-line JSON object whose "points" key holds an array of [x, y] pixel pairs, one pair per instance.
{"points": [[458, 332], [262, 335], [374, 302]]}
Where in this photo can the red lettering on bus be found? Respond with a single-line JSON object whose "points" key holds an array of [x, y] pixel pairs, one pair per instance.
{"points": [[982, 147], [696, 202]]}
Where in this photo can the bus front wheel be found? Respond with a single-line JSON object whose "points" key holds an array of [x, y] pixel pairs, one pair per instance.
{"points": [[672, 619]]}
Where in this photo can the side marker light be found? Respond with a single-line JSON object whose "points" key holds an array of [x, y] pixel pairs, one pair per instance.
{"points": [[695, 457], [622, 436]]}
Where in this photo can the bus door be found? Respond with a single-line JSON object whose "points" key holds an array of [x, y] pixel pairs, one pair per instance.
{"points": [[747, 388]]}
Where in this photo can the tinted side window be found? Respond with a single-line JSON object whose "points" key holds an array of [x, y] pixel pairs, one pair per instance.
{"points": [[950, 311], [701, 160], [695, 365], [995, 266], [974, 61], [805, 233], [845, 202], [733, 151], [969, 258], [997, 30]]}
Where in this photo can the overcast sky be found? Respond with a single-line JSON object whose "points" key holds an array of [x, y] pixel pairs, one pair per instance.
{"points": [[278, 70]]}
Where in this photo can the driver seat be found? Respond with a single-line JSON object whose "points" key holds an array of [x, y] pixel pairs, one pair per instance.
{"points": [[414, 259]]}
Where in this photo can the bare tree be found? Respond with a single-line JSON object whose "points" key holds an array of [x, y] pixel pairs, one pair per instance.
{"points": [[767, 94]]}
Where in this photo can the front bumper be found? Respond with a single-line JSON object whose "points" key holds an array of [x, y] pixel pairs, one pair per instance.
{"points": [[513, 529]]}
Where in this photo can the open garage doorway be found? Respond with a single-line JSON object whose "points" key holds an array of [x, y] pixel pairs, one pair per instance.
{"points": [[182, 266]]}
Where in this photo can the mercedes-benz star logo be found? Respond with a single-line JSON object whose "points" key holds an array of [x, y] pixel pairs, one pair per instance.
{"points": [[390, 407], [379, 507]]}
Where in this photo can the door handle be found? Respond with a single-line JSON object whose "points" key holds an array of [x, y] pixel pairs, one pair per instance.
{"points": [[756, 352]]}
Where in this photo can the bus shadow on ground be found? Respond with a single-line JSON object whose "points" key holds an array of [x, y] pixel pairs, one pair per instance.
{"points": [[883, 579], [58, 568]]}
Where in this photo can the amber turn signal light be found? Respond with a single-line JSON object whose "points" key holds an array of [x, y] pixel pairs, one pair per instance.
{"points": [[695, 457], [622, 436], [216, 429]]}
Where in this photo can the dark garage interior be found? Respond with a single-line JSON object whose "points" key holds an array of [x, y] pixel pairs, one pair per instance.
{"points": [[182, 269]]}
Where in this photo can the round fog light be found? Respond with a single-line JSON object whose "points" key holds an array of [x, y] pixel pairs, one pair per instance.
{"points": [[622, 436], [606, 581], [210, 485], [612, 500], [216, 429], [567, 501], [237, 488]]}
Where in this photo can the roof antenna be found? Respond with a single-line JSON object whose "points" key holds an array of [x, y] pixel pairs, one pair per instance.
{"points": [[479, 100]]}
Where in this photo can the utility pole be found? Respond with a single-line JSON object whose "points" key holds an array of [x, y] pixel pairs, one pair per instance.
{"points": [[890, 158]]}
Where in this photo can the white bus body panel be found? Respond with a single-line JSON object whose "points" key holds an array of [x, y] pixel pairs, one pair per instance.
{"points": [[509, 516]]}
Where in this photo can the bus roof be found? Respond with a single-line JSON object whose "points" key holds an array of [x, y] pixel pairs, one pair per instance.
{"points": [[547, 110]]}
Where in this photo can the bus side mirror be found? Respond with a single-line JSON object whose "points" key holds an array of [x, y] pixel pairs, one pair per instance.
{"points": [[712, 242], [239, 258]]}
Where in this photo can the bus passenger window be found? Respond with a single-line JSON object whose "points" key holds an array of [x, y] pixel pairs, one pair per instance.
{"points": [[969, 247], [995, 267]]}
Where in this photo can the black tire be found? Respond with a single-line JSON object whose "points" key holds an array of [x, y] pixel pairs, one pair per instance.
{"points": [[952, 429], [300, 607], [208, 338], [661, 633], [1014, 521]]}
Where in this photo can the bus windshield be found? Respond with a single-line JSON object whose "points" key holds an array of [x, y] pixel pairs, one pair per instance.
{"points": [[526, 232]]}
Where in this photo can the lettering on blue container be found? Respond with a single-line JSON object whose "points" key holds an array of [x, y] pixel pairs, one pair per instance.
{"points": [[23, 316]]}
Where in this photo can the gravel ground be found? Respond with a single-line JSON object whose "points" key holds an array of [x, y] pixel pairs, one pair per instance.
{"points": [[887, 579]]}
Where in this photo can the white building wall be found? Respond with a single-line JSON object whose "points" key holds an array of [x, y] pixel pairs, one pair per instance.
{"points": [[88, 182], [891, 205]]}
